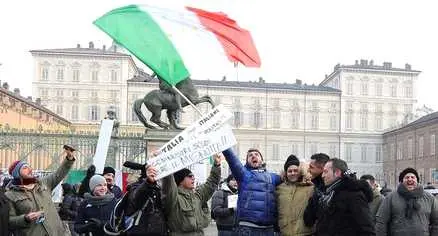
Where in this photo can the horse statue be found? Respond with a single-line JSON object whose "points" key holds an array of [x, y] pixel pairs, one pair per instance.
{"points": [[166, 99]]}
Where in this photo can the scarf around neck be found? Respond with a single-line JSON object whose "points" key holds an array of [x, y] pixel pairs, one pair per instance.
{"points": [[328, 194], [98, 200], [410, 198]]}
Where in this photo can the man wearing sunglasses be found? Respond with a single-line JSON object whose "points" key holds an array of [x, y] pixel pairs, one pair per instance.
{"points": [[186, 207]]}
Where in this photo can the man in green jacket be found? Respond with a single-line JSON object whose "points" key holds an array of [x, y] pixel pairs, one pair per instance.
{"points": [[186, 207], [32, 211]]}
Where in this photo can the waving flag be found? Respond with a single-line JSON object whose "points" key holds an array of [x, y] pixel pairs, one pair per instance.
{"points": [[147, 32]]}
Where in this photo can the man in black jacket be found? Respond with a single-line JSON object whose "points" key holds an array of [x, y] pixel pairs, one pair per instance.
{"points": [[343, 207], [221, 211], [316, 166]]}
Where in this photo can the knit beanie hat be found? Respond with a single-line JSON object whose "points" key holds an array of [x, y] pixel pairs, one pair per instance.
{"points": [[95, 180], [15, 167], [291, 160], [181, 174], [407, 171], [109, 169]]}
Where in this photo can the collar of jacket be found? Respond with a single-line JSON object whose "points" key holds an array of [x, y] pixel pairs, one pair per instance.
{"points": [[185, 191]]}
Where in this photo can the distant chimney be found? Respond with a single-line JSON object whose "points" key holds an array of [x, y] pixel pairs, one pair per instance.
{"points": [[387, 65], [224, 78], [371, 62], [91, 45], [115, 47], [17, 91], [408, 66], [298, 82], [29, 98], [363, 62], [104, 47], [6, 85], [337, 66], [38, 101], [78, 45], [261, 80], [356, 62], [326, 76]]}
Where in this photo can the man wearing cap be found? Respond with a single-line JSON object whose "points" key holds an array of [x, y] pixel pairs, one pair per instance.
{"points": [[223, 213], [109, 173], [186, 207], [32, 211], [292, 198], [256, 204], [408, 211]]}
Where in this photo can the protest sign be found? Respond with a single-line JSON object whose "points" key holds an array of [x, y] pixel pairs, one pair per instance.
{"points": [[103, 142], [207, 136], [232, 201]]}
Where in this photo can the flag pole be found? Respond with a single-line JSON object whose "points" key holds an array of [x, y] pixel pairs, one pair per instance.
{"points": [[187, 100]]}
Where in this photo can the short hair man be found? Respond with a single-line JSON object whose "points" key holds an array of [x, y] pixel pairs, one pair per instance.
{"points": [[343, 208], [408, 211], [377, 196], [256, 204], [316, 166]]}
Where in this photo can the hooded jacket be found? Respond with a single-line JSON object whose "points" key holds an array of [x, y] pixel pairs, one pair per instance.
{"points": [[348, 212], [224, 216], [292, 199], [22, 201], [257, 203]]}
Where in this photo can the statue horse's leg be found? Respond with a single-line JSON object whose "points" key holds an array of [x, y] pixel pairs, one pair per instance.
{"points": [[156, 118], [171, 115], [137, 109], [203, 99]]}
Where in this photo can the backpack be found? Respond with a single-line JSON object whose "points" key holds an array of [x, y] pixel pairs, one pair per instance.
{"points": [[122, 224]]}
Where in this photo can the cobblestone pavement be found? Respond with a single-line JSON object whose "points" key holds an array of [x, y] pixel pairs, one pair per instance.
{"points": [[211, 230]]}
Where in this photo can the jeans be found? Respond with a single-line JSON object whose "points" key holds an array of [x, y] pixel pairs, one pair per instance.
{"points": [[226, 233], [252, 231]]}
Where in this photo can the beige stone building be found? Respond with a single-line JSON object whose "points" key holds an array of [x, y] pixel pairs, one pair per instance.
{"points": [[413, 145]]}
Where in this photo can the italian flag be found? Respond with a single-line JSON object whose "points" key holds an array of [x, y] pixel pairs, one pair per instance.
{"points": [[157, 36]]}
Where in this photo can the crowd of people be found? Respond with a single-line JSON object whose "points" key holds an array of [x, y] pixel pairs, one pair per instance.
{"points": [[322, 198]]}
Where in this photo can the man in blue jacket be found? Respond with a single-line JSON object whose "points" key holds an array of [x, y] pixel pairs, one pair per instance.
{"points": [[256, 205]]}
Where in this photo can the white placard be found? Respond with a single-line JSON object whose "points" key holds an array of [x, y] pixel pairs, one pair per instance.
{"points": [[207, 136], [99, 159], [232, 201]]}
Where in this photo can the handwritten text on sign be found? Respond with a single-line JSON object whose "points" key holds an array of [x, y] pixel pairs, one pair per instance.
{"points": [[207, 136]]}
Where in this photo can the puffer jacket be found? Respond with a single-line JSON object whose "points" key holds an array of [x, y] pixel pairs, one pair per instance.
{"points": [[257, 203], [186, 210], [224, 216], [22, 201], [292, 199], [391, 218]]}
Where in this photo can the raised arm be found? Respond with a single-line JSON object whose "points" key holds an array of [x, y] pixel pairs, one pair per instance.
{"points": [[207, 189], [170, 192], [55, 178], [236, 167]]}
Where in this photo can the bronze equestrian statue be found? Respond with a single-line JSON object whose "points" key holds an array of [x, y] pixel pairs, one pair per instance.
{"points": [[167, 99]]}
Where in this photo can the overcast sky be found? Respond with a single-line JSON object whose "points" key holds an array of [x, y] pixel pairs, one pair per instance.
{"points": [[296, 39]]}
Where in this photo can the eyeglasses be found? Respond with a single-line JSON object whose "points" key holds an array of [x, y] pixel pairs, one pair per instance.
{"points": [[191, 175]]}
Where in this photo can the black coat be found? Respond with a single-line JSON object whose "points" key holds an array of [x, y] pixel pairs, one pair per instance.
{"points": [[146, 197], [224, 216], [348, 212], [4, 214]]}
